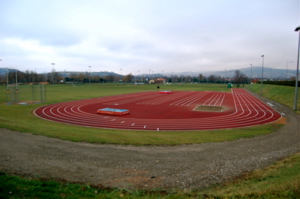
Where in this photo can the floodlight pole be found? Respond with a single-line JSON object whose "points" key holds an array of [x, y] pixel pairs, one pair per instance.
{"points": [[7, 89], [286, 72], [121, 77], [262, 75], [297, 72], [17, 92], [6, 78], [53, 73], [251, 74], [6, 85], [90, 74]]}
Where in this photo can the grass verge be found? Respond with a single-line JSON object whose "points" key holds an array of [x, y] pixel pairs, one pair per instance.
{"points": [[280, 180], [282, 94]]}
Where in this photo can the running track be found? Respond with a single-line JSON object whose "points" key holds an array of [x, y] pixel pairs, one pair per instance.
{"points": [[154, 111]]}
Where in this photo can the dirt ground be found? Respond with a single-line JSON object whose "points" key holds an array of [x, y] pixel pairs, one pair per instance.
{"points": [[165, 167]]}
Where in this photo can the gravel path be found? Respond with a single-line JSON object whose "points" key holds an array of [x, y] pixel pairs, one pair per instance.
{"points": [[184, 167]]}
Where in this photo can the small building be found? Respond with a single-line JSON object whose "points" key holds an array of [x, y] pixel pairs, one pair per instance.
{"points": [[157, 81]]}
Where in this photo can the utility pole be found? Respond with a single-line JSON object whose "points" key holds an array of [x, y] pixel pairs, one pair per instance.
{"points": [[53, 73], [262, 75], [297, 73]]}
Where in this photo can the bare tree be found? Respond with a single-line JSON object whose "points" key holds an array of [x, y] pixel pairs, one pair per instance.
{"points": [[14, 76], [109, 78], [30, 76], [239, 78], [201, 78], [212, 78], [128, 78]]}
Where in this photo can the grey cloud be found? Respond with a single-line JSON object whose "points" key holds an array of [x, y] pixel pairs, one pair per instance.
{"points": [[161, 35]]}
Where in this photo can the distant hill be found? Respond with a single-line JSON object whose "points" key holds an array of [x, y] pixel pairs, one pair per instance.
{"points": [[101, 74], [269, 73], [3, 71]]}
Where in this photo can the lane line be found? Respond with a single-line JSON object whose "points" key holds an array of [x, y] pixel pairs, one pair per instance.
{"points": [[248, 111]]}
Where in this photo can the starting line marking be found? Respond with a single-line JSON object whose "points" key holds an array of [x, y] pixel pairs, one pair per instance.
{"points": [[270, 104]]}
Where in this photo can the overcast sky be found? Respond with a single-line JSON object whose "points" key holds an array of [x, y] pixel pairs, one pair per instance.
{"points": [[135, 36]]}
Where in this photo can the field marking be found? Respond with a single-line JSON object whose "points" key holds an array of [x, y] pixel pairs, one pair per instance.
{"points": [[190, 99]]}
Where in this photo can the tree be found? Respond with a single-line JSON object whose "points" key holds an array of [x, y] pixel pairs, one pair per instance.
{"points": [[239, 78], [128, 78], [41, 77], [109, 78], [15, 76], [212, 78], [30, 76], [2, 78], [54, 77], [201, 78], [81, 77]]}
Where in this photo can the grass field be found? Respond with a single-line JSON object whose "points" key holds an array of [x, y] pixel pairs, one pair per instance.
{"points": [[281, 180]]}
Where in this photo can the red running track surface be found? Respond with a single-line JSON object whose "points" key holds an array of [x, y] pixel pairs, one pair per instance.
{"points": [[153, 111]]}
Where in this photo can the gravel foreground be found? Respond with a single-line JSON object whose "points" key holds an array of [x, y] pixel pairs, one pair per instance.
{"points": [[148, 167]]}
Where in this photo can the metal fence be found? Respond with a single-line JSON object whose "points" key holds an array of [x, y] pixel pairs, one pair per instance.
{"points": [[29, 94]]}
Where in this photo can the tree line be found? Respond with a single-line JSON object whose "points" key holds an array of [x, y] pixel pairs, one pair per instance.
{"points": [[58, 77]]}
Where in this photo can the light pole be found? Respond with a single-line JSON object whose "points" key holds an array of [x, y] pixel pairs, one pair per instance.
{"points": [[297, 72], [287, 63], [121, 77], [172, 77], [262, 75], [17, 92], [53, 73], [251, 74], [6, 85], [251, 77], [6, 79], [90, 74]]}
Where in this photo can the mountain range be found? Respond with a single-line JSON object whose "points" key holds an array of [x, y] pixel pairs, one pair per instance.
{"points": [[254, 72]]}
